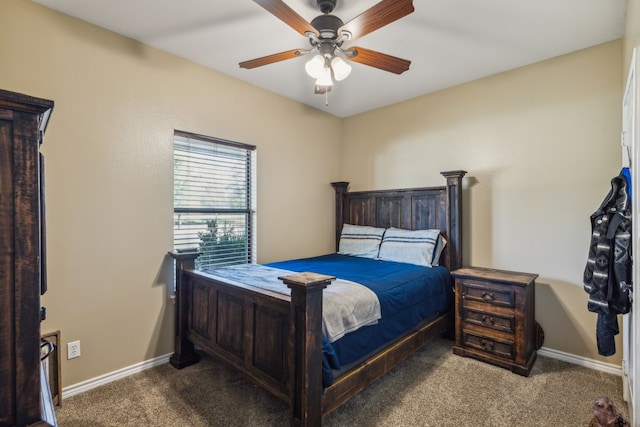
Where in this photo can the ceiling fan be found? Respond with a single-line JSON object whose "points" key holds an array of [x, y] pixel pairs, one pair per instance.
{"points": [[327, 33]]}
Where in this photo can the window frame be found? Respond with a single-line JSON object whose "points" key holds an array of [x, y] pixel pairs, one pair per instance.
{"points": [[249, 208]]}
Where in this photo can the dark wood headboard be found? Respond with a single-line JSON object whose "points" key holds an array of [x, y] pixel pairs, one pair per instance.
{"points": [[411, 209]]}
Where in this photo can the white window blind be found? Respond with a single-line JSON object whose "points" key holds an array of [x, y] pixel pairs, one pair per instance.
{"points": [[214, 199]]}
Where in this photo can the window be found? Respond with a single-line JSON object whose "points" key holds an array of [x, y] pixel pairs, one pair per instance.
{"points": [[214, 199]]}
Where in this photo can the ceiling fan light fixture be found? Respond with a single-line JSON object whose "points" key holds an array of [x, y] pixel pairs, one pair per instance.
{"points": [[326, 34], [315, 66], [341, 69], [325, 78]]}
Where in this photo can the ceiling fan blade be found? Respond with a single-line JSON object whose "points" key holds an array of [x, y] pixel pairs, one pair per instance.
{"points": [[381, 14], [379, 60], [270, 59], [280, 10]]}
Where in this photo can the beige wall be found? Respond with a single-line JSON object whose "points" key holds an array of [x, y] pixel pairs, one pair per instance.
{"points": [[109, 172], [540, 143], [631, 34]]}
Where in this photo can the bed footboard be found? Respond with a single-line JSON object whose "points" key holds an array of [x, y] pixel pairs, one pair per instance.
{"points": [[273, 339]]}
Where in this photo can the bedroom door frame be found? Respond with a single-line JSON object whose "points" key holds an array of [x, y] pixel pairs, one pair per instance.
{"points": [[631, 158]]}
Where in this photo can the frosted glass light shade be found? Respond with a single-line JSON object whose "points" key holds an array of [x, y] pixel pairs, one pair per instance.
{"points": [[315, 66], [325, 78], [341, 69]]}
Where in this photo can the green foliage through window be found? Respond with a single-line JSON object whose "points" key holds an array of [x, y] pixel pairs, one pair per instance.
{"points": [[222, 243]]}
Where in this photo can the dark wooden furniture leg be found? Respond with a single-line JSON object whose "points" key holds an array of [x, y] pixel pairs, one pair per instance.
{"points": [[306, 355], [184, 352]]}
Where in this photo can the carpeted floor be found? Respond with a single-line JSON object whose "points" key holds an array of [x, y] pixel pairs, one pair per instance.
{"points": [[432, 388]]}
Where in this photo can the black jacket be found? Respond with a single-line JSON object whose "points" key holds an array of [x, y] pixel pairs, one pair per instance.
{"points": [[608, 273]]}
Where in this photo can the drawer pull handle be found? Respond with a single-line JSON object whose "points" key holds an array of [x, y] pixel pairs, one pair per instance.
{"points": [[487, 345], [488, 319], [488, 296]]}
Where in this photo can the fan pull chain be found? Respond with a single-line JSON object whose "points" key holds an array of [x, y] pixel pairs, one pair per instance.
{"points": [[326, 98]]}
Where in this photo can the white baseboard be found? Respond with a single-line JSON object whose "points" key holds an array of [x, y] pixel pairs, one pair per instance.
{"points": [[112, 376], [147, 364], [582, 361]]}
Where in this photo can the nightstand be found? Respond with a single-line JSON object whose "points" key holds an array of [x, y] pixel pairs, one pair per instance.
{"points": [[495, 317]]}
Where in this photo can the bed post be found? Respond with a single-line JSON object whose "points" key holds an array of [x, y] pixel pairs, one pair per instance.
{"points": [[341, 188], [454, 217], [305, 360], [184, 352]]}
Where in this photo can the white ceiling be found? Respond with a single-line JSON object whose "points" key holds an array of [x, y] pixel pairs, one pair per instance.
{"points": [[448, 41]]}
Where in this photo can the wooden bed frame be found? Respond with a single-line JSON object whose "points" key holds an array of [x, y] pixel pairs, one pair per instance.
{"points": [[276, 340]]}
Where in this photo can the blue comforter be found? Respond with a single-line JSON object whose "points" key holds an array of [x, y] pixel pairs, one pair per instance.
{"points": [[408, 295]]}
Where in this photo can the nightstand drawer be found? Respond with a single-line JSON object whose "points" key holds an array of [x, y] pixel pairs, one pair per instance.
{"points": [[489, 345], [479, 291], [489, 320]]}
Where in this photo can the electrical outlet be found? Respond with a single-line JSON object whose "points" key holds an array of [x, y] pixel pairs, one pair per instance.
{"points": [[73, 350]]}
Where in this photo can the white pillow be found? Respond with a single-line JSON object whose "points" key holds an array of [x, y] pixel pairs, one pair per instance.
{"points": [[409, 246], [437, 252], [362, 241]]}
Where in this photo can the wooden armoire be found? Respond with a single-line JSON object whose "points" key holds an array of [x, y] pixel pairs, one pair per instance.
{"points": [[25, 397]]}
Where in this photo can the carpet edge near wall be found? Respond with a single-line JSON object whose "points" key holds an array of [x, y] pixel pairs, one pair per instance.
{"points": [[107, 378]]}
